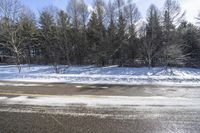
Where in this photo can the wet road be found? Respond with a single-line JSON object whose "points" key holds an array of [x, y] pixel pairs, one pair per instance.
{"points": [[164, 110], [107, 90]]}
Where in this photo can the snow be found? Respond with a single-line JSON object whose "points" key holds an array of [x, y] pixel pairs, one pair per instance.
{"points": [[101, 101], [118, 107], [18, 84], [101, 75]]}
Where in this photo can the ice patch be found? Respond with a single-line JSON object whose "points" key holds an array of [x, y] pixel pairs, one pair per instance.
{"points": [[18, 84], [102, 101], [79, 86]]}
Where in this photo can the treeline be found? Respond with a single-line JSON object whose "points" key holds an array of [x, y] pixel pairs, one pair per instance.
{"points": [[112, 33]]}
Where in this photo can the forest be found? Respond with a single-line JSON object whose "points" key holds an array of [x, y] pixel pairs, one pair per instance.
{"points": [[109, 33]]}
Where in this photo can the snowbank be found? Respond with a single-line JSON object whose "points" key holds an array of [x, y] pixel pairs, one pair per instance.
{"points": [[101, 75]]}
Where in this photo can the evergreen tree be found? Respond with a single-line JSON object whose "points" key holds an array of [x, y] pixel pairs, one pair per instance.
{"points": [[101, 47], [172, 43], [153, 44], [190, 35], [28, 32], [63, 37], [48, 39], [111, 41], [133, 17], [74, 12], [122, 39], [108, 36], [93, 38]]}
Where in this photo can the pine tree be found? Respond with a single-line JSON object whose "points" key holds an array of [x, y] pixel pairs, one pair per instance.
{"points": [[101, 47], [63, 37], [76, 10], [121, 51], [172, 44], [28, 32], [190, 35], [133, 17], [84, 15], [111, 41], [153, 44], [48, 39], [93, 38], [110, 32], [108, 36]]}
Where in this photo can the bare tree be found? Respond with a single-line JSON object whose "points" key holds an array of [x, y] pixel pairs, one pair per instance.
{"points": [[84, 18], [110, 11], [172, 10], [100, 11], [100, 48], [10, 9], [133, 16], [133, 12], [84, 14], [48, 38], [121, 50], [63, 37], [76, 19], [152, 44], [198, 19], [10, 14], [111, 30], [74, 14], [119, 4], [173, 15], [28, 31]]}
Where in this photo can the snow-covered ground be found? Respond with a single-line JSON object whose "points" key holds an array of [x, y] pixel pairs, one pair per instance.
{"points": [[101, 75]]}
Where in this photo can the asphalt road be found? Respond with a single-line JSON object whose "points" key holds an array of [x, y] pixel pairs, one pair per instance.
{"points": [[107, 90], [81, 118]]}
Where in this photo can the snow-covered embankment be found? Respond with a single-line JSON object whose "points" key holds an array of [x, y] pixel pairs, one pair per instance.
{"points": [[102, 75]]}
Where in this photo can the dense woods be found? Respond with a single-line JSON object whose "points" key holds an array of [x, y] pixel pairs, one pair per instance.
{"points": [[111, 33]]}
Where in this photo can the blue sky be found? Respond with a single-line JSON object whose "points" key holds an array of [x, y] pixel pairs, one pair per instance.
{"points": [[37, 5], [192, 7]]}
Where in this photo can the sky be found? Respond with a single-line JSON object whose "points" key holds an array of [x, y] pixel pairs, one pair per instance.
{"points": [[192, 7]]}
